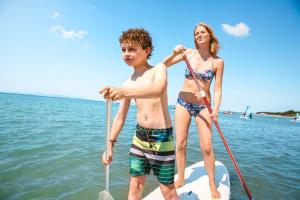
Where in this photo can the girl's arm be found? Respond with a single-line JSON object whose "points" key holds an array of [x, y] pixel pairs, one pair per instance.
{"points": [[218, 87], [176, 55], [172, 59]]}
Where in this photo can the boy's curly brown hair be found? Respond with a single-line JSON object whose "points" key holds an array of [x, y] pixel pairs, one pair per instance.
{"points": [[138, 35]]}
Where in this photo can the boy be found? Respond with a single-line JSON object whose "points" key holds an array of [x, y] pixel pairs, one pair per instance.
{"points": [[152, 147]]}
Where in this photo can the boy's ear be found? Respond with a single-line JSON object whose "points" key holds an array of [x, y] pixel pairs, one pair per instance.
{"points": [[148, 50]]}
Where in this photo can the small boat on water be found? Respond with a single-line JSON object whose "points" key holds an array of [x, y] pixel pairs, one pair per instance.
{"points": [[247, 114], [227, 112], [244, 117], [296, 118]]}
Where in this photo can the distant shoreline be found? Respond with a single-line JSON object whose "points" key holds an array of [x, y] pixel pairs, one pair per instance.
{"points": [[269, 115], [49, 95], [289, 114]]}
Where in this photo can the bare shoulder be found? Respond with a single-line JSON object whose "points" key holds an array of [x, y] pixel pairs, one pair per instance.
{"points": [[159, 67], [189, 51], [218, 62], [127, 83]]}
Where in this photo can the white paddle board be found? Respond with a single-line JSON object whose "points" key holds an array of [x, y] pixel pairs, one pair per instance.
{"points": [[196, 183], [293, 120], [244, 117]]}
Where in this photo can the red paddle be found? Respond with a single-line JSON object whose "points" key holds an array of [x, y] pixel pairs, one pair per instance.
{"points": [[202, 93]]}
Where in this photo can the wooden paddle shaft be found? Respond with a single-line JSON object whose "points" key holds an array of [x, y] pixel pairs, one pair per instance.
{"points": [[108, 113]]}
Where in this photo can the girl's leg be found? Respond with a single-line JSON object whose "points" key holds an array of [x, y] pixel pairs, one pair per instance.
{"points": [[182, 123], [204, 124], [136, 187]]}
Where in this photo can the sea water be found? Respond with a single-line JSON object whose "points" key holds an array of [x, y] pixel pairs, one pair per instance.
{"points": [[50, 149]]}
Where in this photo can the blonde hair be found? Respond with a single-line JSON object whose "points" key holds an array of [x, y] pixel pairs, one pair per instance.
{"points": [[214, 42]]}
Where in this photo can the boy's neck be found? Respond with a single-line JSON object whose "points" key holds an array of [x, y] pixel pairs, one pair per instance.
{"points": [[141, 68]]}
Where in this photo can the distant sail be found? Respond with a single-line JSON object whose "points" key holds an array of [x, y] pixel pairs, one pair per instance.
{"points": [[297, 117], [248, 112]]}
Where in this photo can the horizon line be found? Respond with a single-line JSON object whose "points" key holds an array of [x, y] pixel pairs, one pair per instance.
{"points": [[38, 94]]}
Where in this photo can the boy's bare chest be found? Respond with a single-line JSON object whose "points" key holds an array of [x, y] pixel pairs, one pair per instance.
{"points": [[139, 81]]}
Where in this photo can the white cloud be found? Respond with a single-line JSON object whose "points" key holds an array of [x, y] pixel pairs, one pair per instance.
{"points": [[55, 15], [239, 30], [68, 34]]}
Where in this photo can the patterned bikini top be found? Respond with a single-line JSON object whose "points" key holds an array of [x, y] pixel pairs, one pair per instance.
{"points": [[205, 75]]}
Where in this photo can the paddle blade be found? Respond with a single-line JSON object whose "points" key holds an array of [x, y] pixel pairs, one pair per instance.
{"points": [[104, 195]]}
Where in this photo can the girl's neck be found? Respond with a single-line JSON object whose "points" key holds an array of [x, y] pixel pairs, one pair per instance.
{"points": [[204, 53]]}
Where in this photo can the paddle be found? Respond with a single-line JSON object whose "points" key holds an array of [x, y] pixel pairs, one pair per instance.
{"points": [[202, 94], [105, 195]]}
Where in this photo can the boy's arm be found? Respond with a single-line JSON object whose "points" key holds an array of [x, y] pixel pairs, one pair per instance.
{"points": [[117, 125], [153, 90], [119, 119], [159, 84]]}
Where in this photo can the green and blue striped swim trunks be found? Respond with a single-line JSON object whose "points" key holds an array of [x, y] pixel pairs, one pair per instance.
{"points": [[153, 149]]}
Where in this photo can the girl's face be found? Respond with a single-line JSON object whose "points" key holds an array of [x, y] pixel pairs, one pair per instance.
{"points": [[201, 35], [133, 54]]}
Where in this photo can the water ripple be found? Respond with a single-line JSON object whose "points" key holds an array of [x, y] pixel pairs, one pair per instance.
{"points": [[50, 149]]}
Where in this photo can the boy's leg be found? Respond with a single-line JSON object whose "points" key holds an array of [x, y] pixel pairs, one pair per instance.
{"points": [[136, 187], [163, 166], [139, 167], [169, 191]]}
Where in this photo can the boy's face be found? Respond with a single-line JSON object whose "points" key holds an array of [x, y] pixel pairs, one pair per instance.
{"points": [[133, 54]]}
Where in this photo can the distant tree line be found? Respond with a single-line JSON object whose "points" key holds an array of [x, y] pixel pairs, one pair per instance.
{"points": [[289, 113]]}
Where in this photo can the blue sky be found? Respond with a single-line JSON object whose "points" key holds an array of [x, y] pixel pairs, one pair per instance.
{"points": [[71, 48]]}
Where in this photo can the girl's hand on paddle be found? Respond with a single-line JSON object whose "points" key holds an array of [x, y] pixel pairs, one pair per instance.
{"points": [[104, 160], [214, 115], [179, 49]]}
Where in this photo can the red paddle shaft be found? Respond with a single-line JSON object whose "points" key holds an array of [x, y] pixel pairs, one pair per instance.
{"points": [[202, 93]]}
